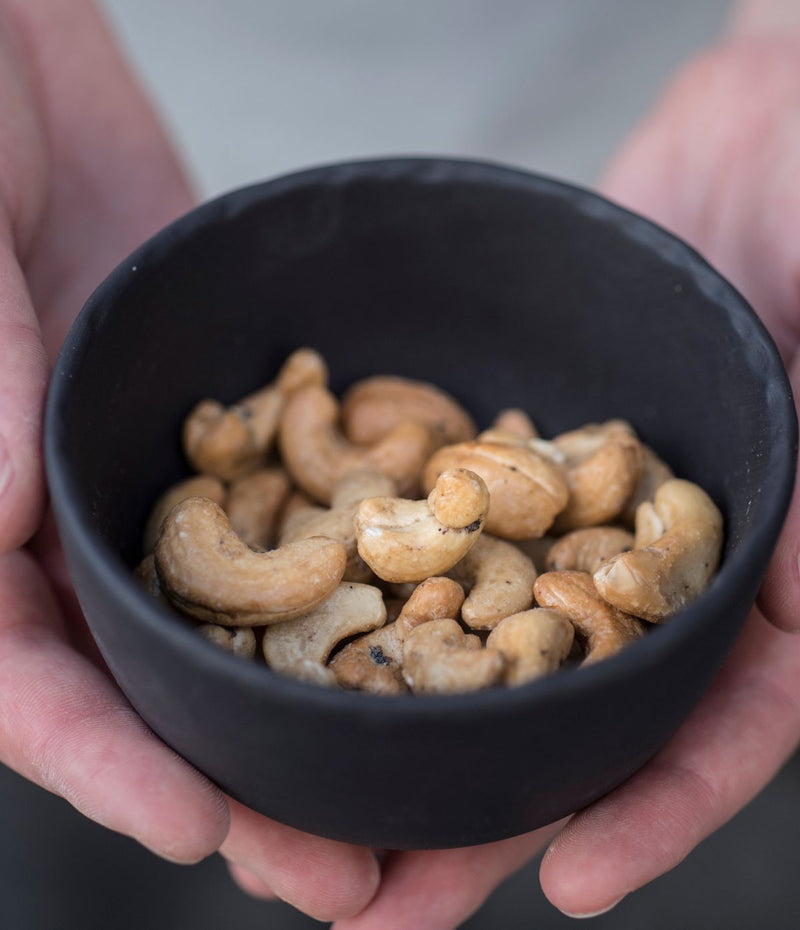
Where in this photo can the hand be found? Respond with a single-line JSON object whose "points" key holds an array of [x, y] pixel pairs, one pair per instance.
{"points": [[718, 162], [85, 175]]}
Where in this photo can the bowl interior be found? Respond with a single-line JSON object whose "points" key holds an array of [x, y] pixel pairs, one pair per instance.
{"points": [[505, 289]]}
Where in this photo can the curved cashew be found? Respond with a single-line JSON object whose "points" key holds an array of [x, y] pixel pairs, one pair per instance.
{"points": [[603, 629], [240, 640], [585, 550], [533, 643], [337, 523], [317, 454], [604, 464], [148, 577], [655, 472], [374, 662], [374, 406], [196, 486], [500, 578], [230, 441], [526, 490], [350, 609], [659, 579], [403, 540], [207, 571], [515, 421], [440, 658], [254, 503]]}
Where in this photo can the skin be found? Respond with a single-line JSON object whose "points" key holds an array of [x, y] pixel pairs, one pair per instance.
{"points": [[85, 174]]}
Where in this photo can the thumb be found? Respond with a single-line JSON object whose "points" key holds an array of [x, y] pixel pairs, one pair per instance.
{"points": [[23, 380]]}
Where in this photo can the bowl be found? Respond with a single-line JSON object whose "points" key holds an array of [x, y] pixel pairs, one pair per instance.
{"points": [[505, 288]]}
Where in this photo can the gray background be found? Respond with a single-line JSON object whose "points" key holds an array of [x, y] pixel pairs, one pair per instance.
{"points": [[252, 89]]}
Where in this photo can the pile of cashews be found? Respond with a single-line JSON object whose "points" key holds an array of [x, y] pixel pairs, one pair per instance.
{"points": [[383, 544]]}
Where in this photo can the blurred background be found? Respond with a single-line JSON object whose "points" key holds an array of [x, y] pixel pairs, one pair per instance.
{"points": [[254, 88]]}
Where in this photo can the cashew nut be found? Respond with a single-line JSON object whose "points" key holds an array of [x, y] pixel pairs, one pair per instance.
{"points": [[604, 464], [317, 454], [602, 628], [240, 640], [533, 643], [230, 441], [337, 523], [440, 658], [526, 489], [148, 577], [254, 503], [196, 486], [500, 578], [374, 662], [655, 472], [516, 422], [207, 571], [585, 550], [350, 609], [403, 540], [656, 581], [374, 406]]}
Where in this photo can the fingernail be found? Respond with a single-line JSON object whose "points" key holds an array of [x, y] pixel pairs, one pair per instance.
{"points": [[5, 466], [603, 910]]}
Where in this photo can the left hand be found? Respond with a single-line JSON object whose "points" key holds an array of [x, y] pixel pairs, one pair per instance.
{"points": [[717, 162]]}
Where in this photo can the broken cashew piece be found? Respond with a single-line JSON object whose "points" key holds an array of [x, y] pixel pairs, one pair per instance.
{"points": [[657, 580], [604, 464], [292, 647], [317, 454], [534, 643], [500, 579], [526, 489], [196, 486], [239, 640], [374, 662], [337, 522], [585, 550], [231, 441], [253, 505], [404, 540], [207, 571], [374, 406], [603, 629], [440, 658]]}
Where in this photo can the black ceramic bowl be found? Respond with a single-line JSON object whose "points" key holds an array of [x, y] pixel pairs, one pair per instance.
{"points": [[505, 289]]}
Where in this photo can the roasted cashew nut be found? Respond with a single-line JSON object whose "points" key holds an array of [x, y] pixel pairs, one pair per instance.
{"points": [[317, 454], [533, 643], [254, 503], [291, 647], [231, 441], [196, 486], [604, 464], [337, 523], [500, 578], [655, 472], [440, 658], [526, 489], [403, 540], [373, 407], [585, 550], [604, 629], [514, 421], [207, 571], [657, 580]]}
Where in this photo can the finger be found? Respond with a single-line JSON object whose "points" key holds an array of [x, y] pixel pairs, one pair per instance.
{"points": [[730, 747], [323, 878], [250, 883], [64, 726], [439, 889], [779, 598], [23, 380]]}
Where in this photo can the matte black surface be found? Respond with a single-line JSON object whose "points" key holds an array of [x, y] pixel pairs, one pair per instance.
{"points": [[506, 289]]}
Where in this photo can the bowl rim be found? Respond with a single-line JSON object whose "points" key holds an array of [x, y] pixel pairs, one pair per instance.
{"points": [[114, 574]]}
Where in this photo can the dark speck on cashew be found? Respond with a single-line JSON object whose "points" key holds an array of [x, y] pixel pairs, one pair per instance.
{"points": [[207, 571]]}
